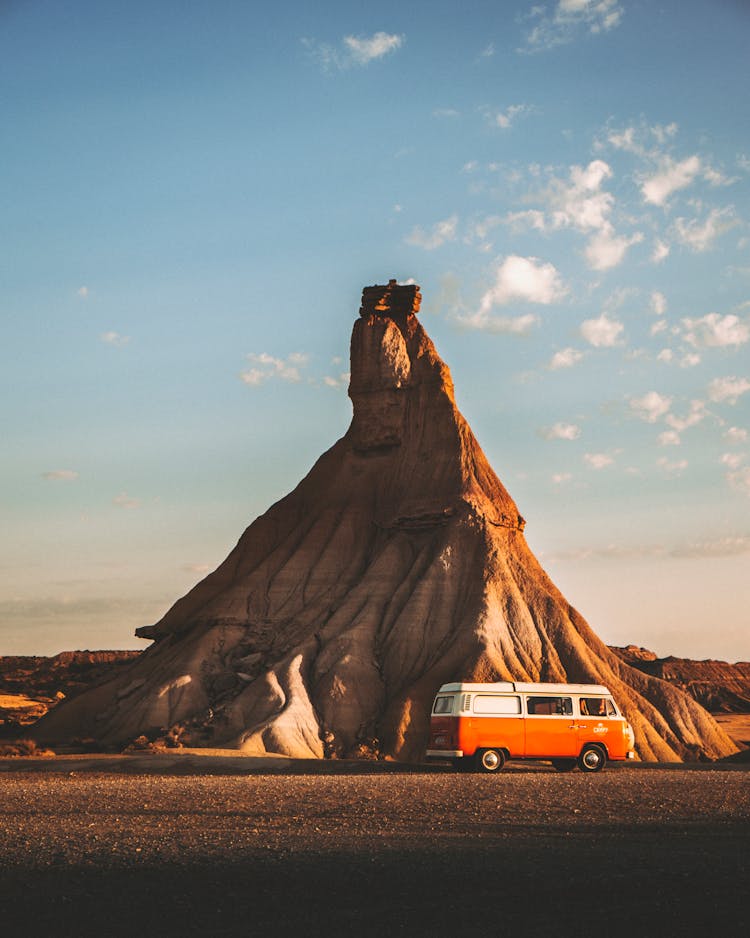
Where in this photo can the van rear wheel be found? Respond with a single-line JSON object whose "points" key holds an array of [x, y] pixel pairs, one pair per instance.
{"points": [[592, 759], [490, 760]]}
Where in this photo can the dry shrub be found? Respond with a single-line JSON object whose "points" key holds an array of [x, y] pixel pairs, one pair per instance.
{"points": [[18, 748]]}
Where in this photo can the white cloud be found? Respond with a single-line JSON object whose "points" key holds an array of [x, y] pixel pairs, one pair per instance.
{"points": [[568, 19], [732, 461], [669, 438], [728, 390], [265, 367], [598, 460], [602, 332], [565, 358], [699, 236], [694, 416], [83, 292], [560, 431], [581, 203], [658, 303], [672, 177], [666, 355], [736, 435], [651, 407], [660, 252], [440, 233], [524, 279], [672, 468], [715, 331], [114, 338], [606, 249], [560, 478], [123, 500], [60, 475], [353, 50], [690, 360]]}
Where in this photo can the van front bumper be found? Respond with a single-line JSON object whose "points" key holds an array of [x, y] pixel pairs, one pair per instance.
{"points": [[444, 754]]}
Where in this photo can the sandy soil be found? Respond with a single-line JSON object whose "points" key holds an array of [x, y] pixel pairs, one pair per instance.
{"points": [[199, 845], [736, 725]]}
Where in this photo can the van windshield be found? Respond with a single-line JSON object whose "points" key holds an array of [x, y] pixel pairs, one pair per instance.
{"points": [[597, 707]]}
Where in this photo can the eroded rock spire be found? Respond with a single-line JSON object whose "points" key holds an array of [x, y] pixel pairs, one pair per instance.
{"points": [[398, 563]]}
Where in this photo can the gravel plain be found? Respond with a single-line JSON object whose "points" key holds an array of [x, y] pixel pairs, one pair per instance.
{"points": [[185, 846]]}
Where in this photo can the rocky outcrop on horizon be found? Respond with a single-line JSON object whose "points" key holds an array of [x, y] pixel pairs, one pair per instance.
{"points": [[718, 686], [31, 685], [397, 564]]}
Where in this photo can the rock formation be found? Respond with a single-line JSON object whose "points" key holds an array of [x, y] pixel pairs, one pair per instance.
{"points": [[398, 563], [717, 685]]}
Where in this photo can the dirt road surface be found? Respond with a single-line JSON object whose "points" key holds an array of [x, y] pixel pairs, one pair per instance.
{"points": [[214, 847]]}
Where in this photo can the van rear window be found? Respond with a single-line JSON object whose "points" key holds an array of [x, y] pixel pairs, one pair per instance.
{"points": [[549, 706], [484, 703], [443, 705]]}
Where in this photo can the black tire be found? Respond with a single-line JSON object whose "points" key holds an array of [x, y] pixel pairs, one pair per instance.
{"points": [[564, 765], [592, 758], [490, 760]]}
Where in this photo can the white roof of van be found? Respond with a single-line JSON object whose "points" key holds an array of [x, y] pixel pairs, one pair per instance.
{"points": [[524, 687]]}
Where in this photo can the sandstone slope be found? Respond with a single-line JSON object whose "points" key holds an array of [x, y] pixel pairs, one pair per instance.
{"points": [[398, 563]]}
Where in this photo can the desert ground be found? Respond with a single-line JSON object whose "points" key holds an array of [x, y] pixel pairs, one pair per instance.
{"points": [[214, 845]]}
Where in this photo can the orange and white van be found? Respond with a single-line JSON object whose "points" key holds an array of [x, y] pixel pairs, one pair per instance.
{"points": [[483, 725]]}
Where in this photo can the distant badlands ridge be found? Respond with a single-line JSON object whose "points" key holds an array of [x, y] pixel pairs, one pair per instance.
{"points": [[398, 563], [30, 685]]}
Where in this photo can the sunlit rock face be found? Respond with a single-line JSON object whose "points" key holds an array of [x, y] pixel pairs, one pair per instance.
{"points": [[397, 564]]}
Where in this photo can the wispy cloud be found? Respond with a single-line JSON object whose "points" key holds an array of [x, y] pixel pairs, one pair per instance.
{"points": [[565, 358], [699, 236], [438, 235], [504, 119], [598, 461], [567, 20], [740, 480], [266, 367], [560, 431], [114, 338], [123, 500], [728, 390], [353, 51], [672, 467], [60, 475]]}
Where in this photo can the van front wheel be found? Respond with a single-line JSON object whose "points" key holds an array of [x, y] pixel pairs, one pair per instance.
{"points": [[592, 759], [490, 760]]}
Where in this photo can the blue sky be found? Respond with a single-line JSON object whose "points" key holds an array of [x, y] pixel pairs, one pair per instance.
{"points": [[193, 196]]}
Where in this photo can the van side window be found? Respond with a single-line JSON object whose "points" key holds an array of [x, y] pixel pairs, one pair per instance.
{"points": [[594, 707], [484, 703], [549, 706], [443, 705]]}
